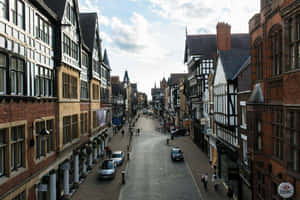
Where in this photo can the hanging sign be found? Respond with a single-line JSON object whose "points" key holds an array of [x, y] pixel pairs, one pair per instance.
{"points": [[285, 190]]}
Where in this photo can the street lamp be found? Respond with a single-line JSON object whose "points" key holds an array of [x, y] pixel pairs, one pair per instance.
{"points": [[43, 133]]}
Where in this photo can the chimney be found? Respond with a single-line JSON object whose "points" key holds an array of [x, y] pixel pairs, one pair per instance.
{"points": [[223, 36]]}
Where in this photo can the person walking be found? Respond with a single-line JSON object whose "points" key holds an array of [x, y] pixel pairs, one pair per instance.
{"points": [[204, 179], [214, 180], [230, 193], [123, 132]]}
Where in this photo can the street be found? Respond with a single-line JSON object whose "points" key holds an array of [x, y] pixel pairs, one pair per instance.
{"points": [[151, 172]]}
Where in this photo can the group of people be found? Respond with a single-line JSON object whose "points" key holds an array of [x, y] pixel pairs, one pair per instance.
{"points": [[215, 181]]}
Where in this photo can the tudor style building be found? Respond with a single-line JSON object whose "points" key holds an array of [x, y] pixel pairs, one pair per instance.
{"points": [[47, 136], [273, 107]]}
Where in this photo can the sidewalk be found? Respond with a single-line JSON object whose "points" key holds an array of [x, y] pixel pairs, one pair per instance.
{"points": [[198, 162], [92, 188]]}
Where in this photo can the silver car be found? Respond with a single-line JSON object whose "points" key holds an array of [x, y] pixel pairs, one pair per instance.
{"points": [[118, 157], [176, 154], [107, 169]]}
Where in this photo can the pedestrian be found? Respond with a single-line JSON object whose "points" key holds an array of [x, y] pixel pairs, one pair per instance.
{"points": [[204, 179], [214, 180], [123, 132], [230, 193]]}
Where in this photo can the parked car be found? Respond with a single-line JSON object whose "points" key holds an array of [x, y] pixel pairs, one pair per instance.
{"points": [[176, 154], [179, 132], [107, 169], [145, 111], [118, 157]]}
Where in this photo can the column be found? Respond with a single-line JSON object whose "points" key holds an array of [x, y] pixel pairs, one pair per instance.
{"points": [[76, 169], [91, 157], [99, 149], [66, 168], [95, 153], [52, 185], [84, 167]]}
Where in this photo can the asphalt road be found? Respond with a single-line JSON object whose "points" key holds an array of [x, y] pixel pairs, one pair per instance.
{"points": [[151, 174]]}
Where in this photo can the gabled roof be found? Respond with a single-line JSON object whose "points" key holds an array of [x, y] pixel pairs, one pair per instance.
{"points": [[42, 6], [256, 95], [233, 60], [105, 60], [246, 63], [174, 78], [57, 6], [88, 25], [206, 45]]}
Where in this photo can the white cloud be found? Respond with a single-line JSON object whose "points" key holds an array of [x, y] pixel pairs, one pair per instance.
{"points": [[201, 15], [92, 6]]}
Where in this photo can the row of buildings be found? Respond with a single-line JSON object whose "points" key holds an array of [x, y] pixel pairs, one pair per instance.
{"points": [[55, 98], [239, 100], [126, 100]]}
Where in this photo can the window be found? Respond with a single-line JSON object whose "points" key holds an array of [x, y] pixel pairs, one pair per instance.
{"points": [[243, 115], [294, 42], [84, 89], [277, 135], [245, 159], [17, 147], [84, 60], [258, 59], [3, 151], [43, 81], [293, 131], [21, 15], [3, 9], [44, 143], [69, 86], [74, 127], [83, 123], [70, 47], [276, 49], [259, 144], [95, 91], [42, 30], [3, 70], [70, 128], [95, 120], [67, 130], [13, 7], [17, 76]]}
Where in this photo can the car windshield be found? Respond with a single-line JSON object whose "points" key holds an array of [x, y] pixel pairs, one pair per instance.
{"points": [[176, 151], [107, 165], [116, 155]]}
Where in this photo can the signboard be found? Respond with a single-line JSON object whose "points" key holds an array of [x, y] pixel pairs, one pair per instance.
{"points": [[117, 121], [43, 187], [203, 121], [285, 190], [209, 131]]}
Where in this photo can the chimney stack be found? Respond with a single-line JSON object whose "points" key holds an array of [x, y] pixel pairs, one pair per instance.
{"points": [[223, 36]]}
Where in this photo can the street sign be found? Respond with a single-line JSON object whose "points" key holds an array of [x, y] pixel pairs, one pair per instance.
{"points": [[285, 190]]}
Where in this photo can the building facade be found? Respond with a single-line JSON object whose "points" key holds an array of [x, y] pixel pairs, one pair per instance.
{"points": [[273, 107]]}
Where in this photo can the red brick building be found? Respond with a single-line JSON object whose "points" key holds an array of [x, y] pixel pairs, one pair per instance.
{"points": [[273, 107]]}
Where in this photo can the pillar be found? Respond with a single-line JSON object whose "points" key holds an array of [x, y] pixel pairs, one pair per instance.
{"points": [[66, 168], [91, 159], [84, 167], [52, 185], [95, 153], [76, 169]]}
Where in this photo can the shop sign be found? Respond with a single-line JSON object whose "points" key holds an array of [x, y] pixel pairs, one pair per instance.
{"points": [[285, 190], [209, 131], [43, 187], [203, 121]]}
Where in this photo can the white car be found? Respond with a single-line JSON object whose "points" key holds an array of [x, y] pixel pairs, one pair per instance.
{"points": [[107, 169], [118, 157]]}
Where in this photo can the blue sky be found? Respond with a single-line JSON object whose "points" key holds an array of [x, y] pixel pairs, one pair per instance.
{"points": [[147, 37]]}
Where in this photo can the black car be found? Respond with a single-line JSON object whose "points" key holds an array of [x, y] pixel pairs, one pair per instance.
{"points": [[176, 154], [180, 132]]}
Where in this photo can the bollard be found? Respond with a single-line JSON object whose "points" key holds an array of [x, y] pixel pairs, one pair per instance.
{"points": [[123, 177], [128, 155]]}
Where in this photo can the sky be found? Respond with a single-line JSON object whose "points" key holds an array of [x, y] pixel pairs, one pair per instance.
{"points": [[147, 37]]}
